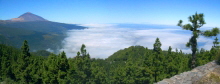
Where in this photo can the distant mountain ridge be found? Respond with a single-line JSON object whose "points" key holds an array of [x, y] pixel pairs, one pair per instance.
{"points": [[28, 17]]}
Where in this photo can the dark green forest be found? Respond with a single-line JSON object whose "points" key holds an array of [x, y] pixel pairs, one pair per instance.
{"points": [[132, 65], [135, 64]]}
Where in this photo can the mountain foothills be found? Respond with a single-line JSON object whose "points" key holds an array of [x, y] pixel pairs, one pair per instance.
{"points": [[41, 33], [132, 65]]}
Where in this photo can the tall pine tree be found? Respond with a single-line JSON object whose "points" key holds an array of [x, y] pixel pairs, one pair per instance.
{"points": [[82, 66], [23, 62], [197, 21], [157, 63]]}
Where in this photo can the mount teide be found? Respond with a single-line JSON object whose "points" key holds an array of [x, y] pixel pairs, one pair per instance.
{"points": [[28, 17], [34, 22]]}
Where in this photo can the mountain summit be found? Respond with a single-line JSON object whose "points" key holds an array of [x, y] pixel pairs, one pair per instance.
{"points": [[28, 17]]}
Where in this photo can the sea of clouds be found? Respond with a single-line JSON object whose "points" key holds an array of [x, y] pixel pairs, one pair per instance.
{"points": [[102, 40]]}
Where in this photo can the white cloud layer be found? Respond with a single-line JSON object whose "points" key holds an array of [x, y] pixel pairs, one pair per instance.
{"points": [[102, 40]]}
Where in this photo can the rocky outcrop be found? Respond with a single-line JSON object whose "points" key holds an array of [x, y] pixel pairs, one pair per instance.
{"points": [[208, 73]]}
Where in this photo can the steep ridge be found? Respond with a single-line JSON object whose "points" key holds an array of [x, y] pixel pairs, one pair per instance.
{"points": [[206, 74]]}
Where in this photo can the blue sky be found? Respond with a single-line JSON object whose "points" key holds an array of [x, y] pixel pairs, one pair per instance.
{"points": [[166, 12]]}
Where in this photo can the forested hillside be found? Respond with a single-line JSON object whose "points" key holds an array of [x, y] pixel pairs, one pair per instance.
{"points": [[135, 64]]}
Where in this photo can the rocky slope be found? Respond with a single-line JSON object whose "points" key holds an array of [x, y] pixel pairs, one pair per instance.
{"points": [[206, 74]]}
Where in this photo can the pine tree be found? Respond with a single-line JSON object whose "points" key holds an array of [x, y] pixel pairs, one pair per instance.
{"points": [[98, 75], [7, 55], [157, 60], [35, 69], [82, 66], [157, 46], [50, 70], [83, 50], [169, 67], [25, 51], [169, 50], [216, 43], [197, 21], [63, 68], [23, 62]]}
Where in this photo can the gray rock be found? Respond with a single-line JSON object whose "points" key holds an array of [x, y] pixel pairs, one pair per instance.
{"points": [[188, 82], [173, 78], [200, 74], [178, 82], [211, 69], [169, 81], [178, 77], [191, 76], [162, 82]]}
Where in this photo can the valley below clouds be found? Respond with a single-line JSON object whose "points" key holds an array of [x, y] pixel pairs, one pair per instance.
{"points": [[102, 40]]}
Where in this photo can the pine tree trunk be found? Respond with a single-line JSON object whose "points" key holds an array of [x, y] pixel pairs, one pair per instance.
{"points": [[193, 60], [194, 49]]}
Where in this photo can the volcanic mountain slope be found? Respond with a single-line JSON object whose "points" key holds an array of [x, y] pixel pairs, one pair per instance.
{"points": [[40, 33], [28, 17]]}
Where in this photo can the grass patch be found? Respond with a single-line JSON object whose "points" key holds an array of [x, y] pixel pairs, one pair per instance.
{"points": [[214, 77]]}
